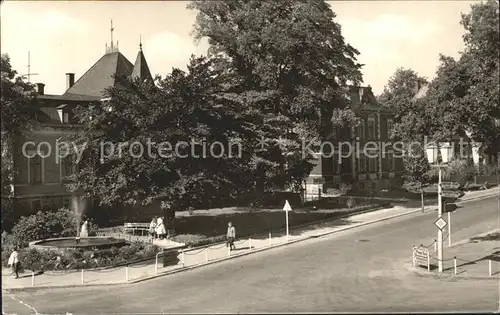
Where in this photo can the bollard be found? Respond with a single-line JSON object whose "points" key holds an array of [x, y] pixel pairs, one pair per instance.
{"points": [[156, 264], [182, 258], [489, 267], [206, 254], [270, 242], [435, 246], [32, 278], [82, 276], [249, 244], [455, 264], [126, 273]]}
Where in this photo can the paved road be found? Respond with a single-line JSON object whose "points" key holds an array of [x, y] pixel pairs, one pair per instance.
{"points": [[360, 270]]}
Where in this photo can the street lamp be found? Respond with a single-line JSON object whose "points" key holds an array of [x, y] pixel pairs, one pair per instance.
{"points": [[432, 156]]}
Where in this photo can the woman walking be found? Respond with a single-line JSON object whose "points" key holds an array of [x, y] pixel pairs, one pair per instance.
{"points": [[152, 227], [160, 229], [14, 262]]}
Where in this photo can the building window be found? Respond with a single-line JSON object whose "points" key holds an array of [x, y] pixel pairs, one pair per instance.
{"points": [[35, 169], [362, 163], [66, 202], [36, 205], [52, 203], [336, 164], [390, 125], [372, 165], [361, 129], [390, 161], [371, 128], [68, 166]]}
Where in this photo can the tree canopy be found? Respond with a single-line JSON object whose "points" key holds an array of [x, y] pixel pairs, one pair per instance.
{"points": [[292, 57]]}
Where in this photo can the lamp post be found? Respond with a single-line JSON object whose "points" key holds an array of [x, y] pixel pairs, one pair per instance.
{"points": [[432, 153]]}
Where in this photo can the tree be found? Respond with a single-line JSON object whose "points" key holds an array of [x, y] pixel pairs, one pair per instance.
{"points": [[171, 122], [292, 58], [465, 92], [416, 169], [18, 116], [400, 91]]}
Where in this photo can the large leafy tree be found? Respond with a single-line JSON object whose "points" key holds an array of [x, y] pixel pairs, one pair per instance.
{"points": [[411, 121], [183, 111], [18, 116], [465, 92], [289, 62]]}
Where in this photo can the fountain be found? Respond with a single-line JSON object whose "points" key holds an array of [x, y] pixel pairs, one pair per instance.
{"points": [[79, 241]]}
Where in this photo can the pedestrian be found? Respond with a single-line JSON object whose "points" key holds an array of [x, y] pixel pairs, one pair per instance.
{"points": [[85, 229], [231, 235], [14, 262], [160, 229], [152, 227]]}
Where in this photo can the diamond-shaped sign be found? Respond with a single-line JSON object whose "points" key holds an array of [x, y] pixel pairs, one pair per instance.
{"points": [[440, 223]]}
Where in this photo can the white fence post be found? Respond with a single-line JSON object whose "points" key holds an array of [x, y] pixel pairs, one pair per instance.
{"points": [[249, 244], [229, 251], [270, 239], [428, 262], [435, 246], [32, 278], [455, 264], [206, 254], [489, 267], [82, 276], [126, 273], [182, 258], [156, 264]]}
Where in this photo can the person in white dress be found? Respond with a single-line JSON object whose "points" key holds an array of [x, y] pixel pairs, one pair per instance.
{"points": [[152, 227], [85, 229], [160, 228], [14, 262]]}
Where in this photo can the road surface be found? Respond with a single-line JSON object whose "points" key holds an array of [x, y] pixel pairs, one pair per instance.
{"points": [[361, 270]]}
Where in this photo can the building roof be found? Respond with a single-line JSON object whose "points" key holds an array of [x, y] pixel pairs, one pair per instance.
{"points": [[141, 69], [102, 75]]}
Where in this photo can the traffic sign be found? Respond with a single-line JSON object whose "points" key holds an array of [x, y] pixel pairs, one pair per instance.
{"points": [[440, 223], [421, 257], [450, 185], [287, 206], [451, 194], [450, 207]]}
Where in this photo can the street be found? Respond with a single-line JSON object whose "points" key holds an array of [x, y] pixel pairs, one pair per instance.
{"points": [[360, 270]]}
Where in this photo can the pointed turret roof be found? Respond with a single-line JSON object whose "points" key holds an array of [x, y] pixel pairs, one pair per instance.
{"points": [[141, 69], [102, 75]]}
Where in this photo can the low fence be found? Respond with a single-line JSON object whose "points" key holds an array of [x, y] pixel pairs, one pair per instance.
{"points": [[164, 262], [457, 262]]}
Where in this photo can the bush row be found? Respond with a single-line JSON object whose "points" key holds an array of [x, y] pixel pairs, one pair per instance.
{"points": [[46, 260]]}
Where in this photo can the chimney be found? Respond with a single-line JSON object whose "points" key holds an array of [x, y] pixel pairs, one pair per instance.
{"points": [[70, 80], [40, 88]]}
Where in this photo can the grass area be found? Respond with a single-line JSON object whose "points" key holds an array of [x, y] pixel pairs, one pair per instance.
{"points": [[202, 229]]}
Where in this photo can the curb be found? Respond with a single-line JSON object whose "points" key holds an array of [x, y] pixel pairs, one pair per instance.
{"points": [[468, 241], [478, 198], [349, 214], [446, 276]]}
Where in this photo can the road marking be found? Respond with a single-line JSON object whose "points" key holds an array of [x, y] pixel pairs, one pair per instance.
{"points": [[28, 306]]}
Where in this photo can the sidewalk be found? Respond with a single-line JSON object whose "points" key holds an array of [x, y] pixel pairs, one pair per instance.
{"points": [[198, 257], [472, 258]]}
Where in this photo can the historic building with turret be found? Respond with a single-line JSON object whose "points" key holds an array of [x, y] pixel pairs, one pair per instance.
{"points": [[38, 181]]}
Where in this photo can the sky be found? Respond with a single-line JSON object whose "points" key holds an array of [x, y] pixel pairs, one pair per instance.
{"points": [[64, 36]]}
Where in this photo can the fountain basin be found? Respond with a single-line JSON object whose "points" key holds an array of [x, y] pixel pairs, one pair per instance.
{"points": [[88, 243]]}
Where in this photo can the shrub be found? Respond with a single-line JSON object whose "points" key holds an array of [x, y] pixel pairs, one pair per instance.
{"points": [[193, 240], [34, 259], [47, 224]]}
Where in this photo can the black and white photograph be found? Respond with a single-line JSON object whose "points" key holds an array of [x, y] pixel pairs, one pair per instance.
{"points": [[250, 156]]}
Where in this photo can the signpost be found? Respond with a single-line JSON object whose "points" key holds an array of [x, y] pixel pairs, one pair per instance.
{"points": [[421, 257], [449, 208], [287, 208], [450, 185]]}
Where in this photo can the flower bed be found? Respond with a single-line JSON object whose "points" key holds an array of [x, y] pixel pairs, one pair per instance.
{"points": [[41, 260]]}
